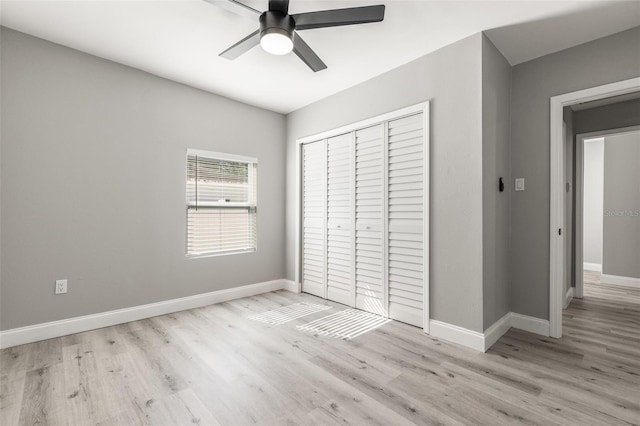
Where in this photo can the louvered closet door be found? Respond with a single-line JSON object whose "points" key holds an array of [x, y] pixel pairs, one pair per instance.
{"points": [[369, 211], [406, 219], [313, 218], [340, 267]]}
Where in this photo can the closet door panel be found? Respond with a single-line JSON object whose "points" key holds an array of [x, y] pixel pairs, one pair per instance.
{"points": [[363, 224], [406, 219], [369, 210], [340, 263], [313, 219]]}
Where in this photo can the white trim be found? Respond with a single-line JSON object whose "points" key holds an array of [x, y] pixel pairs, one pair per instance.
{"points": [[579, 219], [620, 280], [385, 218], [586, 266], [297, 255], [483, 341], [556, 213], [219, 253], [568, 297], [49, 330], [453, 333], [291, 286], [530, 324], [556, 183], [221, 156], [410, 110], [426, 186], [469, 338], [325, 214], [496, 331]]}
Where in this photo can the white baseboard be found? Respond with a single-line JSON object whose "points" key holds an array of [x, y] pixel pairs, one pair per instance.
{"points": [[530, 324], [592, 266], [291, 286], [568, 297], [453, 333], [49, 330], [620, 280], [496, 331], [483, 341]]}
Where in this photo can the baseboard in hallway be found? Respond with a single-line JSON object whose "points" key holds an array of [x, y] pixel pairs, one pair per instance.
{"points": [[620, 280]]}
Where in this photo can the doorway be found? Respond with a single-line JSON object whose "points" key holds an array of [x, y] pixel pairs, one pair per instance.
{"points": [[558, 187], [611, 206]]}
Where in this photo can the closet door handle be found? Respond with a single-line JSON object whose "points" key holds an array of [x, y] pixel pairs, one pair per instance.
{"points": [[339, 226], [368, 227]]}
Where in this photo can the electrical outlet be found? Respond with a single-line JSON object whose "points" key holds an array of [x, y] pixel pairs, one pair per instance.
{"points": [[61, 286]]}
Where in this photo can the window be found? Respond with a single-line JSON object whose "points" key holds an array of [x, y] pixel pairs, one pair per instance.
{"points": [[221, 203]]}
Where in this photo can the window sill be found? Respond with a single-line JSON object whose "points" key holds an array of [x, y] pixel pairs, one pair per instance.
{"points": [[217, 254]]}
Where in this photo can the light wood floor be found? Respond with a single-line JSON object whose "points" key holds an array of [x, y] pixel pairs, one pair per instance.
{"points": [[213, 365]]}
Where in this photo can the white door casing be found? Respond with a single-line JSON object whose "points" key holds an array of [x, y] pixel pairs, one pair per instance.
{"points": [[557, 188]]}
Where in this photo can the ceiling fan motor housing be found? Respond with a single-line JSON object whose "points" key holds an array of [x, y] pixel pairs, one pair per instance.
{"points": [[278, 30], [276, 22]]}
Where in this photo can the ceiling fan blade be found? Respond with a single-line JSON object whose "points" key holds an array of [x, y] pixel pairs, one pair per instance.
{"points": [[338, 17], [307, 55], [236, 7], [279, 5], [243, 46]]}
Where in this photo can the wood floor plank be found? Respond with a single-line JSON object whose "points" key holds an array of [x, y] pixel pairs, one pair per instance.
{"points": [[11, 391], [216, 366]]}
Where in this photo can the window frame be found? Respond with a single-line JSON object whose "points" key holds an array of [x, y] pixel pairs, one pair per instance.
{"points": [[252, 168]]}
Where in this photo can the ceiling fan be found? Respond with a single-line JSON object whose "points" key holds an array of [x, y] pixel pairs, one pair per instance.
{"points": [[278, 32]]}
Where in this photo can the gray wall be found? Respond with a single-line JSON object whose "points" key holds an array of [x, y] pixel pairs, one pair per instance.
{"points": [[93, 184], [602, 61], [621, 241], [593, 200], [451, 79], [496, 91], [607, 117]]}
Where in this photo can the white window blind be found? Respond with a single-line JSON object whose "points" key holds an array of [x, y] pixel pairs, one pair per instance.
{"points": [[221, 203]]}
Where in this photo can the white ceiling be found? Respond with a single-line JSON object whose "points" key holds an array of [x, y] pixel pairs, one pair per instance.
{"points": [[180, 39]]}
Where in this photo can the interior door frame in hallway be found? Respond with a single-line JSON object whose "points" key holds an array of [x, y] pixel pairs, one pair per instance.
{"points": [[579, 207], [557, 188], [423, 108]]}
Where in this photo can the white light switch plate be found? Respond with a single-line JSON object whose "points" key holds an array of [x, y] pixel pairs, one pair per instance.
{"points": [[61, 286], [520, 184]]}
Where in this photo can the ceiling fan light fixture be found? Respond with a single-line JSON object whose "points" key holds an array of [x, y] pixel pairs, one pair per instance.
{"points": [[276, 32], [276, 41]]}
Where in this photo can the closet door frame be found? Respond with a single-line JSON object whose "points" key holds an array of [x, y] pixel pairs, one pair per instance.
{"points": [[384, 118]]}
